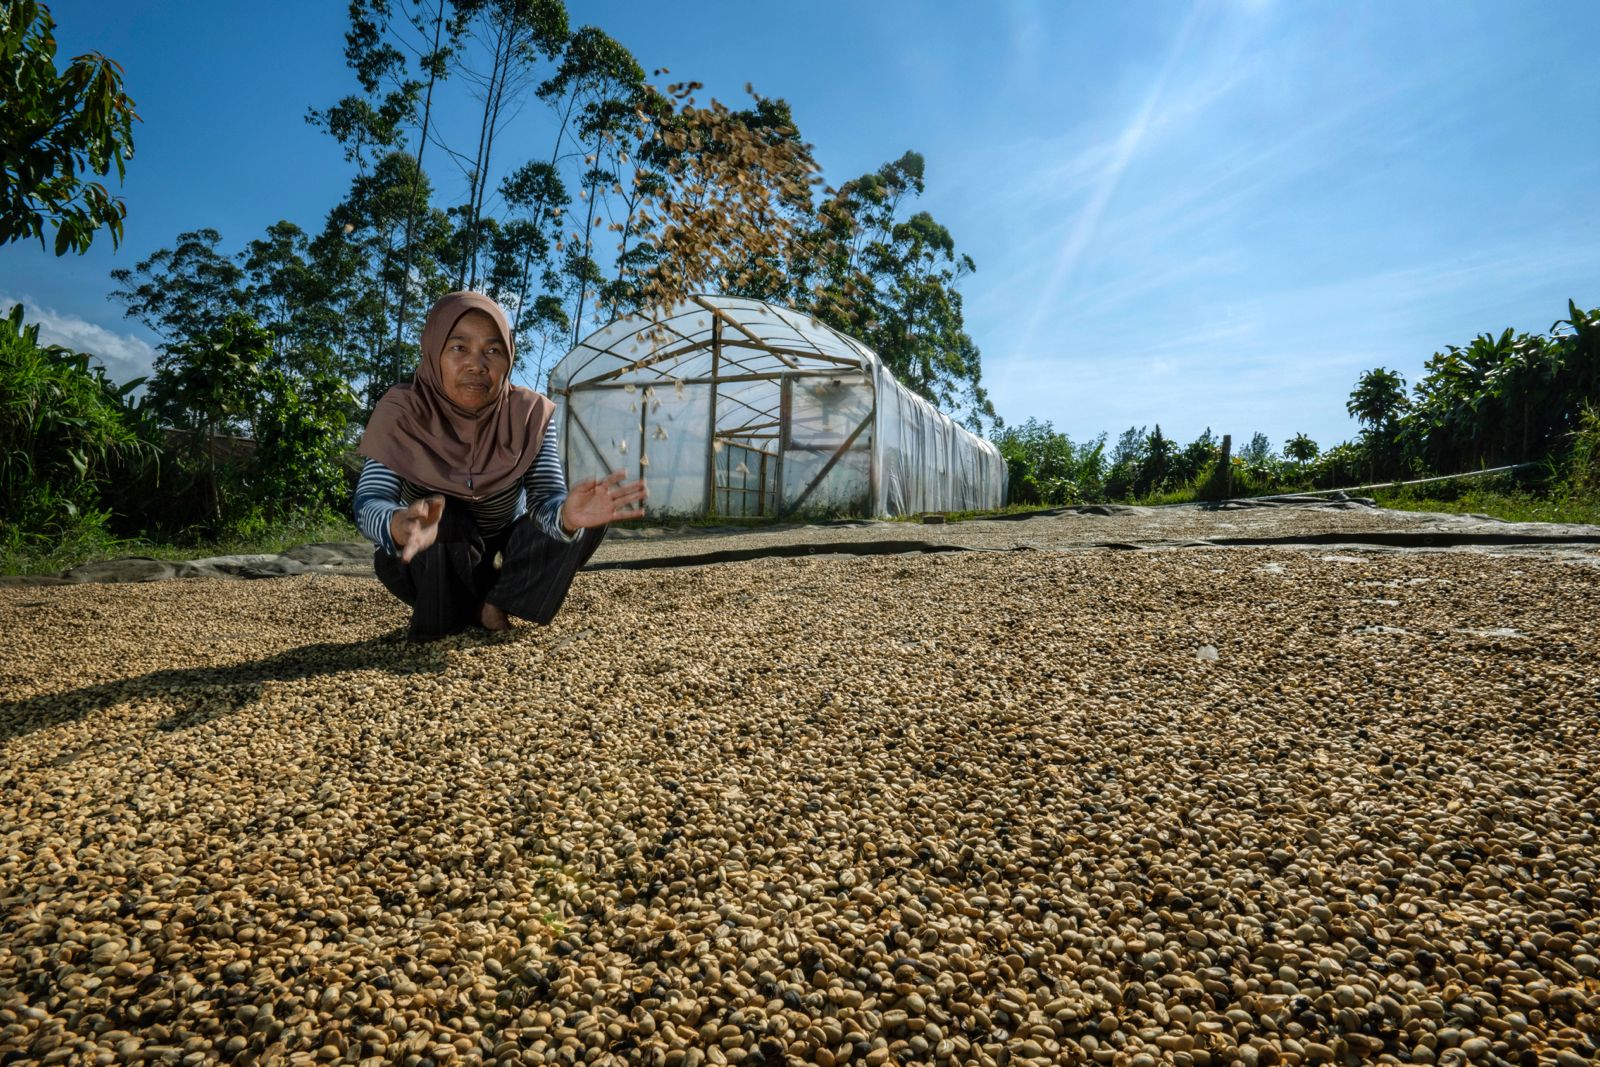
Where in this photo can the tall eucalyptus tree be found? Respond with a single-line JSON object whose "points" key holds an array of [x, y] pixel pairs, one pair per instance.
{"points": [[444, 37], [892, 281], [373, 219], [184, 292], [518, 36], [278, 287], [594, 92], [535, 198]]}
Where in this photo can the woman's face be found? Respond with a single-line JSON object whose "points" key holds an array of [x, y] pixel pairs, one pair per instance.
{"points": [[475, 361]]}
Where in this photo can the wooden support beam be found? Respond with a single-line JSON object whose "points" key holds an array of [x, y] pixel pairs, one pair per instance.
{"points": [[711, 436], [730, 361], [872, 453], [658, 325], [783, 430], [762, 412], [750, 448], [750, 340], [723, 316], [573, 420], [644, 364], [654, 362], [798, 353], [644, 417], [761, 486], [748, 426], [689, 345], [764, 376]]}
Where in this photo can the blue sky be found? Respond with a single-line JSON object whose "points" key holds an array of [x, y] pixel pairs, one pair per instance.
{"points": [[1194, 214]]}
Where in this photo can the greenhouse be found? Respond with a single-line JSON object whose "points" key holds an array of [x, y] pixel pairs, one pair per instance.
{"points": [[738, 408]]}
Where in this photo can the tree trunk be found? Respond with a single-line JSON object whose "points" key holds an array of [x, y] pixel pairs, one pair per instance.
{"points": [[411, 200], [470, 223], [627, 233], [504, 47], [527, 259], [383, 300], [213, 503], [588, 228], [488, 149]]}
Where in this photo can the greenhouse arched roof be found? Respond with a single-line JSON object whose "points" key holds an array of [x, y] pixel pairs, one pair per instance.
{"points": [[741, 407], [755, 338]]}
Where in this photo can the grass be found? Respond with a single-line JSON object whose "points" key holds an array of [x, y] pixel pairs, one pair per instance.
{"points": [[1499, 498], [89, 546], [271, 540], [1508, 503], [960, 516], [1187, 495]]}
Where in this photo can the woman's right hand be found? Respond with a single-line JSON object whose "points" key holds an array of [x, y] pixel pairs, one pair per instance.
{"points": [[414, 528]]}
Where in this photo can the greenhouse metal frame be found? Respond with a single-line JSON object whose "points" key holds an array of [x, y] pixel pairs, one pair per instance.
{"points": [[735, 407]]}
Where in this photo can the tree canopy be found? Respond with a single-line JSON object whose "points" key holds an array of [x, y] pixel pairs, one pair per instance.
{"points": [[698, 196], [57, 127]]}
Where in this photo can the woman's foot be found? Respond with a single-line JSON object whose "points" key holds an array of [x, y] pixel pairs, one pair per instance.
{"points": [[492, 618]]}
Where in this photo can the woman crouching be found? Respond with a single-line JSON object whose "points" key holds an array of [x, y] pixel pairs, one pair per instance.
{"points": [[463, 467]]}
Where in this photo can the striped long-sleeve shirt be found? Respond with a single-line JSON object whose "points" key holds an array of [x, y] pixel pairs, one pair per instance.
{"points": [[380, 492]]}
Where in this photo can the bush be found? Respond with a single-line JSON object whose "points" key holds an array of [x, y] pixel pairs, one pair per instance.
{"points": [[1197, 457], [1583, 479], [1505, 399], [64, 426], [301, 426], [1120, 480], [1339, 467], [206, 386], [1045, 467], [48, 532]]}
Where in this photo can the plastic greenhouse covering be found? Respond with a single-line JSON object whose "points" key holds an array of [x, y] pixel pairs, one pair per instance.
{"points": [[740, 408]]}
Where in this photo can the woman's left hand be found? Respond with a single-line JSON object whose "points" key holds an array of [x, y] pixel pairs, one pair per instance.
{"points": [[597, 501]]}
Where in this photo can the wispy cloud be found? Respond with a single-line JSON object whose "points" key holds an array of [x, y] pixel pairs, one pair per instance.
{"points": [[123, 355], [1255, 177], [1088, 219], [1113, 158]]}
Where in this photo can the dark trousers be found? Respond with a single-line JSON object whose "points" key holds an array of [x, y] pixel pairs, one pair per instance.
{"points": [[447, 583]]}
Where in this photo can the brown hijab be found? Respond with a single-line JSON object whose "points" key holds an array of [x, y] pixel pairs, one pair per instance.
{"points": [[422, 435]]}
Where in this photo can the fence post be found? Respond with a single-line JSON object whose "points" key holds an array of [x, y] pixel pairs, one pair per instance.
{"points": [[1226, 460]]}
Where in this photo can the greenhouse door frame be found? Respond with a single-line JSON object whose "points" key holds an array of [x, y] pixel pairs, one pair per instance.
{"points": [[786, 443]]}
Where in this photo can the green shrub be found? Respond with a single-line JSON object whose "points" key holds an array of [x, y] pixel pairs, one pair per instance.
{"points": [[49, 533], [1339, 467], [1045, 467], [1499, 497], [301, 429], [64, 426], [1120, 481], [1583, 479], [1214, 481], [206, 386], [1505, 399], [1185, 495]]}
